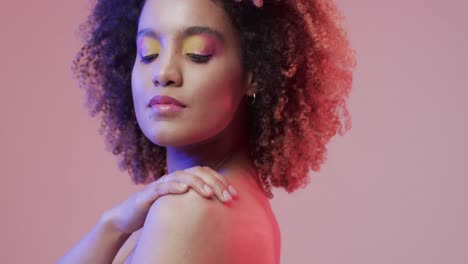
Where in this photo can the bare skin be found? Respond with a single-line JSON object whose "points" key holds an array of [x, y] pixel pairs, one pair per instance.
{"points": [[251, 211], [212, 123], [206, 139], [101, 244], [211, 128]]}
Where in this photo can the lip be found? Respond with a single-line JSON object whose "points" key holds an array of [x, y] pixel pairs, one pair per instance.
{"points": [[165, 110], [164, 100]]}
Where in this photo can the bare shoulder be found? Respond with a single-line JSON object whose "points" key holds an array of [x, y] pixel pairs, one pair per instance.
{"points": [[190, 202], [184, 228], [190, 228], [191, 211]]}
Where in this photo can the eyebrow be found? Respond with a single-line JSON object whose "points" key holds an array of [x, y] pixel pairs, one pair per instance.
{"points": [[189, 31]]}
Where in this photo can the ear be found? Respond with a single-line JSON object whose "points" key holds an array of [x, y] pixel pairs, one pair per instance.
{"points": [[251, 84]]}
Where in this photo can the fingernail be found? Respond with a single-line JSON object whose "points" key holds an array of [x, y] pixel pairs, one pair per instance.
{"points": [[183, 185], [226, 195], [207, 188], [232, 190]]}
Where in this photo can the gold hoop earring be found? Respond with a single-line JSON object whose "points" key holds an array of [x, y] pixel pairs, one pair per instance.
{"points": [[253, 99]]}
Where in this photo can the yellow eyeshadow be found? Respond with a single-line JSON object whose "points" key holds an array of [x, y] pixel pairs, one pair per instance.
{"points": [[149, 46], [196, 44]]}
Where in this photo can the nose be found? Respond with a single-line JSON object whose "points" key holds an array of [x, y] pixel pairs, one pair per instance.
{"points": [[167, 72]]}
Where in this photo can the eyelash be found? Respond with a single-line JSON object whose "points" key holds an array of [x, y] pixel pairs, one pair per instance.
{"points": [[195, 57]]}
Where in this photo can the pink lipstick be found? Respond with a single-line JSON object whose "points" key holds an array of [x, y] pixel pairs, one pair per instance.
{"points": [[165, 105], [163, 99]]}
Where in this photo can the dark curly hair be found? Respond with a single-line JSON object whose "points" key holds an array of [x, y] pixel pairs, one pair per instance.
{"points": [[298, 52]]}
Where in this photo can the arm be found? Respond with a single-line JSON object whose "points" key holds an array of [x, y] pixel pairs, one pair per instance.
{"points": [[100, 245], [184, 229], [103, 242]]}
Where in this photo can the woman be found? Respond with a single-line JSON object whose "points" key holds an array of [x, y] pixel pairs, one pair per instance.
{"points": [[218, 92]]}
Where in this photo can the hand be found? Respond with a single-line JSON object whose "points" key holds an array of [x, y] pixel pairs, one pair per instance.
{"points": [[257, 3], [129, 216]]}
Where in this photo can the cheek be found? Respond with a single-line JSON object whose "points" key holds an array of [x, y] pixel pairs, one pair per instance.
{"points": [[138, 96], [219, 86], [138, 81], [217, 94], [215, 100]]}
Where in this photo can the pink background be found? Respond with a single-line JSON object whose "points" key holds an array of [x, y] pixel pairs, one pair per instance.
{"points": [[392, 191]]}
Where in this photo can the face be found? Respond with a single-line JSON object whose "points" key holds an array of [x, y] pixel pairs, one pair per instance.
{"points": [[187, 50]]}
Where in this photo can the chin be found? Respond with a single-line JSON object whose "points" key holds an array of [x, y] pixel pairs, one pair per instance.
{"points": [[163, 138], [169, 138], [169, 134]]}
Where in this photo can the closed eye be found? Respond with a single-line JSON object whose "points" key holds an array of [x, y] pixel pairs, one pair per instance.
{"points": [[149, 58], [195, 57], [199, 58]]}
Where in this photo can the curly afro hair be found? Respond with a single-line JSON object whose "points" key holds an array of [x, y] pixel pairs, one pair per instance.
{"points": [[298, 52]]}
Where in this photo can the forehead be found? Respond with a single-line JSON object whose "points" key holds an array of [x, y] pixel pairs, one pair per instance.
{"points": [[169, 17]]}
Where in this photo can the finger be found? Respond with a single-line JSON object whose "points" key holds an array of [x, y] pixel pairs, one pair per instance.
{"points": [[214, 182], [165, 188], [219, 187], [226, 183], [164, 178], [194, 181], [161, 179], [222, 178]]}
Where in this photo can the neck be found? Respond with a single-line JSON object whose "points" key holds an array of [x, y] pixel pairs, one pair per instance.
{"points": [[226, 150], [216, 154]]}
